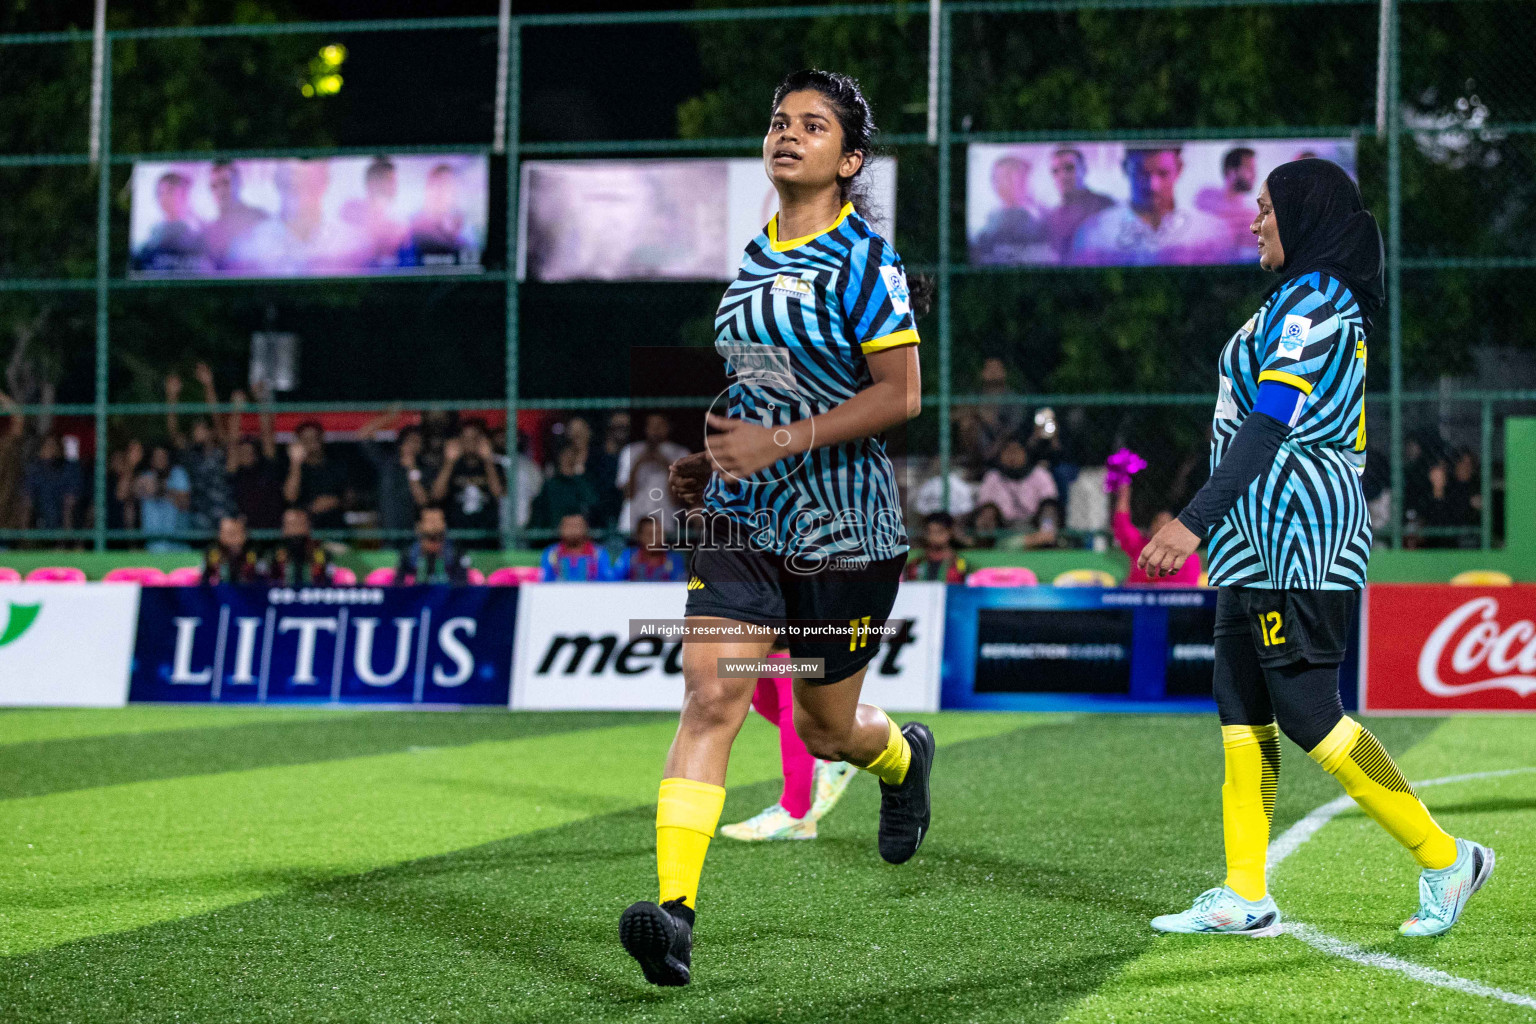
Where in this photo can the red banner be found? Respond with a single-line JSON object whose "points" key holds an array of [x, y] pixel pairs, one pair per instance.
{"points": [[1439, 648]]}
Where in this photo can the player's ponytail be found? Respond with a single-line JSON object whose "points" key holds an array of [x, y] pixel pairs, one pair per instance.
{"points": [[857, 120]]}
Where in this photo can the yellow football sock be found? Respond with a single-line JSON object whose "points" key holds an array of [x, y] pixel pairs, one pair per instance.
{"points": [[1357, 759], [1248, 803], [686, 815], [891, 766]]}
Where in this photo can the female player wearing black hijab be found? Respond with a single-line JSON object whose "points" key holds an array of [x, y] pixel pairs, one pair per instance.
{"points": [[1289, 542]]}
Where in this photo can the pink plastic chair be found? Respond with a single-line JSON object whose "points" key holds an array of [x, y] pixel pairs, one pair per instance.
{"points": [[148, 575], [343, 577], [9, 575], [186, 576], [56, 574], [383, 576], [475, 576], [1002, 576], [513, 575]]}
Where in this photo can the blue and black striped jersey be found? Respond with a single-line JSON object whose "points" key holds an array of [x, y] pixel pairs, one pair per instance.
{"points": [[794, 329], [1303, 523]]}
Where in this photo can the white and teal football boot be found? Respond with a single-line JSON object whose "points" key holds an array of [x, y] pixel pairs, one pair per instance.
{"points": [[1220, 911], [1444, 892], [771, 823]]}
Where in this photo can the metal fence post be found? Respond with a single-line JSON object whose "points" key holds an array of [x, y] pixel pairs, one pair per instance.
{"points": [[1487, 475], [1395, 273], [103, 243], [514, 138], [946, 37]]}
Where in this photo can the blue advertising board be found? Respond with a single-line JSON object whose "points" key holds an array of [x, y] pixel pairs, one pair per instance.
{"points": [[345, 645], [1087, 649]]}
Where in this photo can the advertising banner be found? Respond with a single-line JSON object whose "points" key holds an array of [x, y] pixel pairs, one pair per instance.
{"points": [[1436, 648], [574, 649], [1110, 204], [347, 645], [304, 218], [66, 645], [1049, 647], [656, 220]]}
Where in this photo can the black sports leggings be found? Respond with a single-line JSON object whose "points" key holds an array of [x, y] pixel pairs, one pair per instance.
{"points": [[1303, 696]]}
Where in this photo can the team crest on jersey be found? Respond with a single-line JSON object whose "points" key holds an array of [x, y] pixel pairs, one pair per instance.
{"points": [[1293, 336], [896, 287], [799, 287]]}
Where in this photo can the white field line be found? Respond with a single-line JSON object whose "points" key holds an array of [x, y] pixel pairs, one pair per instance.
{"points": [[1291, 840]]}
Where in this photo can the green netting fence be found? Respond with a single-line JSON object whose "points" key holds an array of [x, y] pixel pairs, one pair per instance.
{"points": [[1457, 146]]}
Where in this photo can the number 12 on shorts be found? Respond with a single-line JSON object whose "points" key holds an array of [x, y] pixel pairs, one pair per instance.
{"points": [[1269, 628], [859, 637]]}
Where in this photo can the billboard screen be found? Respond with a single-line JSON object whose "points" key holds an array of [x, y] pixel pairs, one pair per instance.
{"points": [[655, 220], [1112, 204], [308, 218]]}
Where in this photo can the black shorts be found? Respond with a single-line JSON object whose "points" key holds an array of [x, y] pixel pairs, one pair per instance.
{"points": [[1288, 626], [743, 583]]}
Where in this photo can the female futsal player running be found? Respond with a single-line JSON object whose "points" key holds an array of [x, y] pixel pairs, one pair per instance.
{"points": [[803, 520], [811, 787], [1289, 551]]}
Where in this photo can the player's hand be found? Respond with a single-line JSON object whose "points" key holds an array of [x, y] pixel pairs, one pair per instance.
{"points": [[204, 374], [452, 449], [742, 448], [1165, 553], [687, 477], [172, 387]]}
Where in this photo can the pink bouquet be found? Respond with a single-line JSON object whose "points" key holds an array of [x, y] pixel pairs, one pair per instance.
{"points": [[1121, 467]]}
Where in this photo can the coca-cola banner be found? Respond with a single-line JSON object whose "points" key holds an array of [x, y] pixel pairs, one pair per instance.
{"points": [[1434, 648]]}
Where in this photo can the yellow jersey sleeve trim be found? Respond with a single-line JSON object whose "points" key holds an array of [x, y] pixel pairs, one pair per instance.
{"points": [[893, 340], [795, 243], [1299, 383]]}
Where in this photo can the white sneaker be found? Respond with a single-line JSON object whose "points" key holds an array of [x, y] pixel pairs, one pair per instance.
{"points": [[1220, 911], [832, 778], [771, 823]]}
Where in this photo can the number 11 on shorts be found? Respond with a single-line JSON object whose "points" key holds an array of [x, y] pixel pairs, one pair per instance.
{"points": [[859, 637]]}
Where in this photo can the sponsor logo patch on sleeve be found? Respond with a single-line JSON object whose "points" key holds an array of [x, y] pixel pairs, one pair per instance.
{"points": [[896, 287], [1293, 336]]}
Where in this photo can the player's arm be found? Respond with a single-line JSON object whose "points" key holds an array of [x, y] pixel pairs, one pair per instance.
{"points": [[877, 311], [1295, 354], [1251, 452]]}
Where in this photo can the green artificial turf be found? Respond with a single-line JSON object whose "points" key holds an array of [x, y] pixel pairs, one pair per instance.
{"points": [[481, 880]]}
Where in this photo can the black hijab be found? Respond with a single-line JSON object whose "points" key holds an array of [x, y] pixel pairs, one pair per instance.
{"points": [[1324, 226]]}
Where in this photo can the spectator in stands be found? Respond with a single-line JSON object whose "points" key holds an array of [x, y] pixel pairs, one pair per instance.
{"points": [[1451, 498], [13, 464], [432, 557], [402, 491], [1132, 540], [231, 559], [163, 492], [603, 468], [1046, 522], [643, 475], [649, 561], [255, 476], [986, 525], [53, 486], [469, 483], [984, 429], [565, 494], [940, 561], [530, 478], [929, 497], [203, 454], [1016, 486], [298, 560], [573, 556], [316, 483]]}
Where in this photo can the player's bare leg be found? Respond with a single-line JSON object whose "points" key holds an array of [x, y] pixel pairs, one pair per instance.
{"points": [[836, 727]]}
